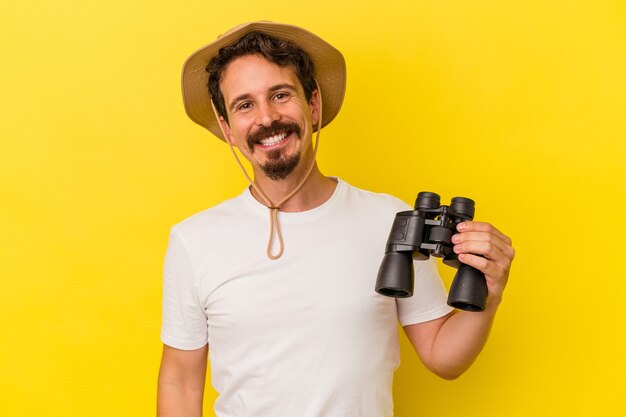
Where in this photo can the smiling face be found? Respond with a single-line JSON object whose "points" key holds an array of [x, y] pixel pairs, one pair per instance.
{"points": [[269, 118]]}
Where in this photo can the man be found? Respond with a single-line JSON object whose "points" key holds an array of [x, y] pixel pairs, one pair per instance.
{"points": [[296, 328]]}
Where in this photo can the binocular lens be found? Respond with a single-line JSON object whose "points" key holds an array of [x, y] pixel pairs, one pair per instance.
{"points": [[468, 290], [427, 200], [395, 276], [463, 206]]}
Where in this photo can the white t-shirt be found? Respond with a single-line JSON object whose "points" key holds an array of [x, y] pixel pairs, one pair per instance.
{"points": [[305, 335]]}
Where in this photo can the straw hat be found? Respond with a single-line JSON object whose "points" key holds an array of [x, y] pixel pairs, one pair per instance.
{"points": [[330, 69]]}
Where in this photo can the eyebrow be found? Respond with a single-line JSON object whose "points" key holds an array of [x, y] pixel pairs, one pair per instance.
{"points": [[272, 89], [282, 86]]}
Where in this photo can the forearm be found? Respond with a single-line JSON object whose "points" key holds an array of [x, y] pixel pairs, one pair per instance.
{"points": [[174, 400], [459, 341]]}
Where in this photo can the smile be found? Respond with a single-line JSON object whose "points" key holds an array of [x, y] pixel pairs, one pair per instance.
{"points": [[273, 140], [276, 135]]}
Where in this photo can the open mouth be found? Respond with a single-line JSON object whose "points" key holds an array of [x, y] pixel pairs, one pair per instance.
{"points": [[273, 140], [274, 135]]}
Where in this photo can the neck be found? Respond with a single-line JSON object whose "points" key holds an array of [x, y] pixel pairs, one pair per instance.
{"points": [[315, 191]]}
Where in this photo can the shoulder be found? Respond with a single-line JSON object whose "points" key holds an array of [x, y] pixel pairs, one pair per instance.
{"points": [[373, 200], [212, 218]]}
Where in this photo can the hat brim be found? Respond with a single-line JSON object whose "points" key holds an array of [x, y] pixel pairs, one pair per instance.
{"points": [[330, 68]]}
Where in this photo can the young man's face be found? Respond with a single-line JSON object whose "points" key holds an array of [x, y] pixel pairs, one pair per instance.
{"points": [[270, 120]]}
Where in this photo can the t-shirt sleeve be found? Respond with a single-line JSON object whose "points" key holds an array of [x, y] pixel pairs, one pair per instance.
{"points": [[184, 323], [429, 300]]}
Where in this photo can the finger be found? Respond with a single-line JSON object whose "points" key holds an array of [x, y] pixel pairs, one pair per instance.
{"points": [[473, 226], [464, 237], [489, 268], [485, 249]]}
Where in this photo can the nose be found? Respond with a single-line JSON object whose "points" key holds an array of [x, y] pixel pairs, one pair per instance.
{"points": [[266, 114]]}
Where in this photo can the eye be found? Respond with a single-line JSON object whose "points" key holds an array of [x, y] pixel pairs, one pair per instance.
{"points": [[243, 106], [281, 96]]}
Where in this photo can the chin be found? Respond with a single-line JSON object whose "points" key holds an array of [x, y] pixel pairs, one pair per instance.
{"points": [[280, 169]]}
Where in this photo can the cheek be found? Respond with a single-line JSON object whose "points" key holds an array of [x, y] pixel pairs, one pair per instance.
{"points": [[240, 129]]}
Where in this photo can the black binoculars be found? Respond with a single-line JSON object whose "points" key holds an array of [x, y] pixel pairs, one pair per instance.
{"points": [[426, 231]]}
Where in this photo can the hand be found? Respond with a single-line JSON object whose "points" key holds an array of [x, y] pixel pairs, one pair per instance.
{"points": [[496, 255]]}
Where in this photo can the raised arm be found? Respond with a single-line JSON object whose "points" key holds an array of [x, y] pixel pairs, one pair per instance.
{"points": [[181, 382], [449, 345]]}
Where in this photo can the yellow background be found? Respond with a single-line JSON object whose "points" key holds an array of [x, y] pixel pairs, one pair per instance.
{"points": [[519, 105]]}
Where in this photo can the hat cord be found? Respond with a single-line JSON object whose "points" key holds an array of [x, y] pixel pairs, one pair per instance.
{"points": [[274, 208]]}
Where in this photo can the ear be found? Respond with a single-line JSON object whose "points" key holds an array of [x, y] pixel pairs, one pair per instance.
{"points": [[227, 131], [314, 104]]}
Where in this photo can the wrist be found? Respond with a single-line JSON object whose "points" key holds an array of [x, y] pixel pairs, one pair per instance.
{"points": [[493, 302]]}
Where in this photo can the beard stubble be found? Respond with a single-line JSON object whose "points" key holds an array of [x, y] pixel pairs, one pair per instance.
{"points": [[278, 166]]}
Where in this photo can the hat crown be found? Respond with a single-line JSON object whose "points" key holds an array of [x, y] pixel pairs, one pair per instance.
{"points": [[328, 61]]}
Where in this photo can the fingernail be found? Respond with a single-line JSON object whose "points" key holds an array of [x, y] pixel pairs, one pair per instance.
{"points": [[456, 239], [460, 227]]}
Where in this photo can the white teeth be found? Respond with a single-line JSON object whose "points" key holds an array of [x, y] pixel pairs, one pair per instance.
{"points": [[273, 140]]}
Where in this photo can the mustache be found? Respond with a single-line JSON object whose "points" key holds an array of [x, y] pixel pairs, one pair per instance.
{"points": [[275, 128]]}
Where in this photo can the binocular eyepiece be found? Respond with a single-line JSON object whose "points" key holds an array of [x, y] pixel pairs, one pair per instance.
{"points": [[427, 231]]}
